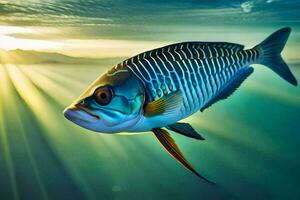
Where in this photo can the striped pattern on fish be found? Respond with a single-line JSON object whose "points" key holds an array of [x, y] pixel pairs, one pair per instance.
{"points": [[200, 70], [154, 90]]}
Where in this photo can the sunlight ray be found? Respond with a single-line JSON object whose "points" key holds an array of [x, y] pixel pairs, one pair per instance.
{"points": [[58, 92], [25, 82], [55, 75], [4, 135], [12, 104], [45, 114], [82, 73], [7, 57], [49, 86], [42, 81], [39, 106]]}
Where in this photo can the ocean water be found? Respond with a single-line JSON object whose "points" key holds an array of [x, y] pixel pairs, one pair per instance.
{"points": [[252, 145], [251, 151]]}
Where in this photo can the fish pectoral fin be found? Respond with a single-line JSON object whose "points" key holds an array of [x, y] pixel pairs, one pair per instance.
{"points": [[167, 105], [185, 129], [168, 142]]}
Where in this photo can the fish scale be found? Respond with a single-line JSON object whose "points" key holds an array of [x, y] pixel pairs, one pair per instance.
{"points": [[198, 70]]}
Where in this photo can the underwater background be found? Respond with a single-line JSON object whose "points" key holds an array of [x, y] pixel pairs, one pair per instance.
{"points": [[50, 51]]}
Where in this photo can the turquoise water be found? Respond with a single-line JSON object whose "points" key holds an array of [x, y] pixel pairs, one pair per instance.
{"points": [[251, 151], [252, 145]]}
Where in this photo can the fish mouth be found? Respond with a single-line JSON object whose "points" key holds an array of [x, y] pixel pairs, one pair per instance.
{"points": [[76, 113]]}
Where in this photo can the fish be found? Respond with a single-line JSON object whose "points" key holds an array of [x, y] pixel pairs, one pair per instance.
{"points": [[154, 90]]}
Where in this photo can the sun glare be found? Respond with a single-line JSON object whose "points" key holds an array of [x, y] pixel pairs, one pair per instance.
{"points": [[9, 42]]}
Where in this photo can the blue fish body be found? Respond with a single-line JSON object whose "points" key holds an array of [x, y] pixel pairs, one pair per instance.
{"points": [[158, 88], [203, 72]]}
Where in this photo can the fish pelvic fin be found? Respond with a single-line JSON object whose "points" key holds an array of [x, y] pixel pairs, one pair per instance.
{"points": [[185, 129], [170, 145], [270, 54]]}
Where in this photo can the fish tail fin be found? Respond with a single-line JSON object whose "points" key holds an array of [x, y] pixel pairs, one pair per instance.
{"points": [[269, 54]]}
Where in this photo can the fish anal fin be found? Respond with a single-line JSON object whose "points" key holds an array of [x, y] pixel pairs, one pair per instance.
{"points": [[231, 86], [185, 129], [169, 144], [167, 105]]}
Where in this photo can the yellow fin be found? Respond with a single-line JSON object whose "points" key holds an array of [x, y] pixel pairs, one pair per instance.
{"points": [[168, 142], [168, 104]]}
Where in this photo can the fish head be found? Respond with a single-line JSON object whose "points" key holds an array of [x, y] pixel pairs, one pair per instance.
{"points": [[111, 104]]}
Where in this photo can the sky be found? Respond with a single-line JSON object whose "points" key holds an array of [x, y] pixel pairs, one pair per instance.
{"points": [[120, 28]]}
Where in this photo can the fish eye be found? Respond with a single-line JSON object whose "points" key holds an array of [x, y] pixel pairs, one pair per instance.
{"points": [[103, 95]]}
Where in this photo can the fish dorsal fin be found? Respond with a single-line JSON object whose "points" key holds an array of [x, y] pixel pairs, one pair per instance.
{"points": [[167, 105], [185, 129], [234, 83], [167, 141], [184, 46], [225, 45]]}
